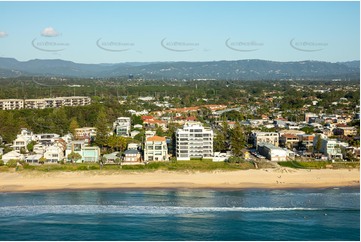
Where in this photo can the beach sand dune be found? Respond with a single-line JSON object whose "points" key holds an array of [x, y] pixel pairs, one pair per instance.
{"points": [[264, 178]]}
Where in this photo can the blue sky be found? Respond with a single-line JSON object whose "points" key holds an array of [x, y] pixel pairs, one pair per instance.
{"points": [[112, 32]]}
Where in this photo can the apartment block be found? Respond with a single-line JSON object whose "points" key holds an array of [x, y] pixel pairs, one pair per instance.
{"points": [[265, 137], [12, 104], [194, 141]]}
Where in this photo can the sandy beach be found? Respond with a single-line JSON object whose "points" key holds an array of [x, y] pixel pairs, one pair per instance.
{"points": [[264, 178]]}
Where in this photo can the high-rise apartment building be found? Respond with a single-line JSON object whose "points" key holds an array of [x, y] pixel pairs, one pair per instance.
{"points": [[194, 141]]}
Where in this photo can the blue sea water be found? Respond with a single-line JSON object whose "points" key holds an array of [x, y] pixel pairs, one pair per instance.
{"points": [[183, 214]]}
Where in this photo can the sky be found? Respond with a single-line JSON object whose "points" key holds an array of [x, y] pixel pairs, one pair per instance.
{"points": [[114, 32]]}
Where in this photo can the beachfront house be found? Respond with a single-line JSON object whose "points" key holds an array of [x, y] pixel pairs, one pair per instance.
{"points": [[53, 154], [155, 149], [12, 155], [329, 147], [122, 126], [87, 153], [112, 158], [33, 159], [132, 156]]}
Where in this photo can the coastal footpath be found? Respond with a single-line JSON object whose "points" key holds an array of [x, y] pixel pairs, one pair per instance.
{"points": [[275, 178]]}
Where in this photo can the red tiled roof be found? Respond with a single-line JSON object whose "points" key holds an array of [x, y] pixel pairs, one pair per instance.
{"points": [[156, 138]]}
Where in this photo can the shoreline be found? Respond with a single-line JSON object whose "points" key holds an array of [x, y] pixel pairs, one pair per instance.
{"points": [[278, 178]]}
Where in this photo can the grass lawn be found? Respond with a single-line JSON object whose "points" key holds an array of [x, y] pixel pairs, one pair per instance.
{"points": [[192, 165], [318, 164]]}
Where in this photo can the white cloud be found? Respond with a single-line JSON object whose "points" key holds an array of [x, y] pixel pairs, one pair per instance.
{"points": [[49, 32], [3, 34]]}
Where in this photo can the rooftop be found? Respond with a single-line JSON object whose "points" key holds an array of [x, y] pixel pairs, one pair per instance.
{"points": [[156, 138]]}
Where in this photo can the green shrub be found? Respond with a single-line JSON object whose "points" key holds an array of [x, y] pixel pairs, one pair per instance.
{"points": [[12, 163], [1, 162]]}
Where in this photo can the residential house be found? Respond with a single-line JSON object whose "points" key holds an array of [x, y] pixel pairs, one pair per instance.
{"points": [[345, 130], [85, 133], [90, 154], [194, 140], [53, 154], [46, 139], [87, 153], [33, 159], [132, 156], [12, 155], [134, 133], [122, 126], [329, 147], [138, 126], [39, 149], [112, 158], [22, 140], [155, 149], [306, 141], [289, 140]]}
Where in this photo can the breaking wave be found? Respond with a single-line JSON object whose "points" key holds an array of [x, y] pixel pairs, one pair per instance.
{"points": [[116, 209]]}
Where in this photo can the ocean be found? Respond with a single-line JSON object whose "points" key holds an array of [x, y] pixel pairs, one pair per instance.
{"points": [[182, 214]]}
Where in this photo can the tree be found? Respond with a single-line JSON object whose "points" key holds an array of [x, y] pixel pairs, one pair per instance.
{"points": [[159, 131], [117, 143], [42, 160], [219, 142], [30, 146], [22, 150], [102, 129], [74, 156], [237, 140], [318, 144], [73, 125]]}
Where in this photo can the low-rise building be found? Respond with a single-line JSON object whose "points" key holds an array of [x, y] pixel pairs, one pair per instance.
{"points": [[22, 140], [272, 152], [346, 131], [112, 158], [33, 159], [329, 147], [87, 153], [265, 137], [155, 149], [132, 156], [53, 154], [289, 140], [11, 104], [12, 155], [122, 126], [85, 133]]}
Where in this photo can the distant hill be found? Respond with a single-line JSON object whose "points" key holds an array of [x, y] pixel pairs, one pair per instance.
{"points": [[240, 69]]}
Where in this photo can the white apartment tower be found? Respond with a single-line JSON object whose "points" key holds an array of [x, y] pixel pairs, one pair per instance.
{"points": [[194, 141]]}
